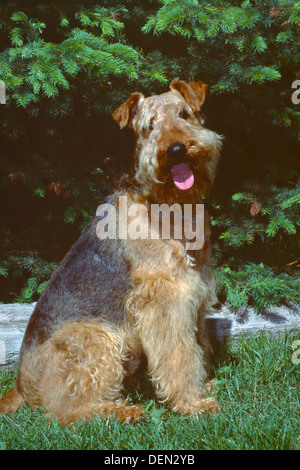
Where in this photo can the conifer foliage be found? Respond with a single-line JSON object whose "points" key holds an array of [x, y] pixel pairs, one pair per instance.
{"points": [[263, 228], [35, 67], [253, 32], [67, 65]]}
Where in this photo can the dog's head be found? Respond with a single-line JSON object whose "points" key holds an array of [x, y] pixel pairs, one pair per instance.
{"points": [[175, 156]]}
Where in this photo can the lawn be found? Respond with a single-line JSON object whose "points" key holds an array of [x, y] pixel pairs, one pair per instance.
{"points": [[258, 390]]}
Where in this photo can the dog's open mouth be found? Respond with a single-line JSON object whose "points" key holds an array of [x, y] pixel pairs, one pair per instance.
{"points": [[183, 176]]}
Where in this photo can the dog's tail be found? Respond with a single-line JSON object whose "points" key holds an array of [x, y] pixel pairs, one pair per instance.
{"points": [[11, 401]]}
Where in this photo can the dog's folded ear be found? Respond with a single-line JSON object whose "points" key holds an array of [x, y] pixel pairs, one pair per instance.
{"points": [[126, 112], [194, 93]]}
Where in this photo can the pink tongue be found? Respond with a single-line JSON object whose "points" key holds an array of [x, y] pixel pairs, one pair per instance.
{"points": [[183, 176]]}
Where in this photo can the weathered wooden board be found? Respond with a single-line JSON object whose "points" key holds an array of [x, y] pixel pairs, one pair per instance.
{"points": [[13, 322], [224, 323], [220, 325]]}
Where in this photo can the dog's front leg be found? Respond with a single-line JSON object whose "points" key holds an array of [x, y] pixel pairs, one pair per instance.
{"points": [[167, 324]]}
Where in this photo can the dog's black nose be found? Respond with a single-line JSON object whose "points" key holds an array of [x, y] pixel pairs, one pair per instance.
{"points": [[176, 152]]}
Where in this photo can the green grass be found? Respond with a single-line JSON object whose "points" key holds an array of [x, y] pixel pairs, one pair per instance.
{"points": [[258, 386]]}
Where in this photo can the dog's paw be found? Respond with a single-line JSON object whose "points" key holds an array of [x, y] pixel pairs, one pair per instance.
{"points": [[200, 408], [130, 414], [208, 405]]}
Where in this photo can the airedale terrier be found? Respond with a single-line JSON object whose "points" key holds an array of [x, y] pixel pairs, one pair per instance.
{"points": [[113, 300]]}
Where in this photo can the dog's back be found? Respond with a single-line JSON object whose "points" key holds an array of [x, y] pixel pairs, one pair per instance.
{"points": [[90, 283]]}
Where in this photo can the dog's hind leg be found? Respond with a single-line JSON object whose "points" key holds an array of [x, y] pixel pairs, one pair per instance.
{"points": [[78, 373]]}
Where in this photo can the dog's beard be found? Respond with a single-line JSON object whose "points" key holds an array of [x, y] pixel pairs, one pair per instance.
{"points": [[183, 181]]}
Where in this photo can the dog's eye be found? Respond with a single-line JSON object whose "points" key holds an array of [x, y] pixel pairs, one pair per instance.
{"points": [[151, 125], [183, 114], [148, 128]]}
